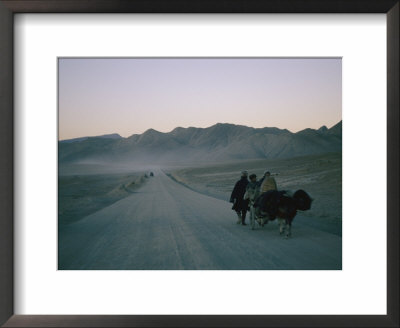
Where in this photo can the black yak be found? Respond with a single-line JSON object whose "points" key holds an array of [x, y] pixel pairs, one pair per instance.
{"points": [[279, 204]]}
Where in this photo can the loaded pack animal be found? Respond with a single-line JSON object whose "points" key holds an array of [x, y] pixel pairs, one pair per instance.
{"points": [[281, 205]]}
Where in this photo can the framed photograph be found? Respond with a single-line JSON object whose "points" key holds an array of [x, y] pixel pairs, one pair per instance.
{"points": [[217, 164], [197, 137]]}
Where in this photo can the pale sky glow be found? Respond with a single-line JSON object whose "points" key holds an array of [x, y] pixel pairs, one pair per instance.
{"points": [[129, 96]]}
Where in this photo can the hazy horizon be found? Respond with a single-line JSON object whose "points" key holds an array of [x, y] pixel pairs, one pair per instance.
{"points": [[131, 95]]}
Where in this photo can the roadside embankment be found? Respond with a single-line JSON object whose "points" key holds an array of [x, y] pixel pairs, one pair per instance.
{"points": [[81, 195]]}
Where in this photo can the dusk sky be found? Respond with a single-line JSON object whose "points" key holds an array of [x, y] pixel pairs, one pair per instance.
{"points": [[129, 96]]}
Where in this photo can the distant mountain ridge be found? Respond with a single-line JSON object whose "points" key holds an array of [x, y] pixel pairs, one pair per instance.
{"points": [[105, 136], [220, 142]]}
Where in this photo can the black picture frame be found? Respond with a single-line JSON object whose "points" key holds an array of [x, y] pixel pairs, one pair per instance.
{"points": [[10, 7]]}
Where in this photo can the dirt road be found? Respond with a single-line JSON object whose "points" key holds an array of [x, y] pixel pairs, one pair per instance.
{"points": [[165, 226]]}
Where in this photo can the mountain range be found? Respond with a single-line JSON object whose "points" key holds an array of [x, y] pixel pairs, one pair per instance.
{"points": [[220, 142], [104, 136]]}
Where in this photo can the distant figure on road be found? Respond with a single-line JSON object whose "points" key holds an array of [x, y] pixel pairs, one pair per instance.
{"points": [[151, 174], [239, 204]]}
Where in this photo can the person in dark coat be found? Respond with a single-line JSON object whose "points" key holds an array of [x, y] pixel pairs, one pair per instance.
{"points": [[240, 205]]}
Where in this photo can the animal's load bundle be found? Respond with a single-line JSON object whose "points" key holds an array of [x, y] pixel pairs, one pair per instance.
{"points": [[268, 202]]}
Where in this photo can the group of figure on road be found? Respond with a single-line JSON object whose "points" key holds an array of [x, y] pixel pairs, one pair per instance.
{"points": [[246, 195]]}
